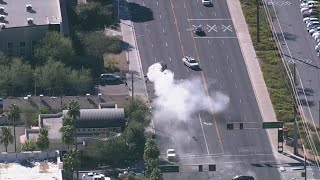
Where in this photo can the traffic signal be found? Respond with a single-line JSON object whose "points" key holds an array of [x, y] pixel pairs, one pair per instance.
{"points": [[241, 125], [212, 167], [229, 126], [200, 168], [280, 135]]}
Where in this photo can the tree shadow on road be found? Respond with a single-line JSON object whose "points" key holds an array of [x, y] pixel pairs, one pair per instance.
{"points": [[307, 91], [140, 13]]}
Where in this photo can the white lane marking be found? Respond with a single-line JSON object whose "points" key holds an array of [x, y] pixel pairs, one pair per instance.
{"points": [[149, 31], [189, 137], [216, 70], [157, 3], [184, 119], [162, 29], [212, 57], [220, 86], [249, 133], [151, 44], [229, 117], [225, 101], [160, 16], [170, 58], [234, 134], [172, 138], [166, 44], [200, 13], [222, 37], [169, 121], [155, 59], [208, 41], [222, 41], [143, 3], [240, 101], [215, 14], [231, 70], [245, 118], [204, 136], [227, 57], [235, 85], [212, 19]]}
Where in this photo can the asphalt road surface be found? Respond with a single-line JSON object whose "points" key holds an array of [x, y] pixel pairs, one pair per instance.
{"points": [[301, 46], [163, 31]]}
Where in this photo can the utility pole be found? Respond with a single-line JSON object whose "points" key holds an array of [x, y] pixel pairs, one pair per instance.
{"points": [[132, 94], [295, 128], [305, 163], [258, 22]]}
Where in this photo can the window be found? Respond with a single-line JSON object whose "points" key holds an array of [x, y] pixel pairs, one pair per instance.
{"points": [[88, 129], [78, 129], [114, 129], [98, 129], [22, 44], [104, 129], [83, 129], [93, 129], [22, 51], [34, 44], [10, 49]]}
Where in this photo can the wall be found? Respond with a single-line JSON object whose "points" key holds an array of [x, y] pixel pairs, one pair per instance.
{"points": [[31, 155]]}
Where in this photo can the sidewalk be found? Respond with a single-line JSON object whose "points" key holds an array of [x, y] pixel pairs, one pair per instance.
{"points": [[256, 77], [133, 57]]}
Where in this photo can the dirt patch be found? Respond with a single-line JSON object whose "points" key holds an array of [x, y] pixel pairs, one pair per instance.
{"points": [[121, 60]]}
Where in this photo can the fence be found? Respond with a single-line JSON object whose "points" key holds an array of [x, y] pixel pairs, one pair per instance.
{"points": [[28, 155]]}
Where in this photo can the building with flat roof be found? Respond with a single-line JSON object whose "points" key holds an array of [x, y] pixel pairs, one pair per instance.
{"points": [[24, 23]]}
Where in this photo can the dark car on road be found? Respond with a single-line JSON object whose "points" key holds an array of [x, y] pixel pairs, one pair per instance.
{"points": [[199, 31], [243, 178]]}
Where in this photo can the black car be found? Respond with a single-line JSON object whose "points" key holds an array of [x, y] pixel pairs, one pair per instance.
{"points": [[243, 178], [109, 78], [199, 31]]}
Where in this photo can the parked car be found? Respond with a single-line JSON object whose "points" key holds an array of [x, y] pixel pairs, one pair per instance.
{"points": [[94, 176], [199, 31], [310, 19], [110, 78], [206, 2], [313, 30], [243, 178], [171, 154]]}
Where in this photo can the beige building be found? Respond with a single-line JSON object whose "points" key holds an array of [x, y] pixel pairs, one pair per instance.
{"points": [[24, 23]]}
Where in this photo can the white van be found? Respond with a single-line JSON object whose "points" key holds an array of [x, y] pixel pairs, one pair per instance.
{"points": [[94, 176]]}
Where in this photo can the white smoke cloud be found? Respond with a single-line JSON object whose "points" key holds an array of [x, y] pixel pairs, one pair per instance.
{"points": [[181, 99]]}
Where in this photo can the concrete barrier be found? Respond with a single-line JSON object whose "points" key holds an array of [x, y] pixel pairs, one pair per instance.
{"points": [[28, 155]]}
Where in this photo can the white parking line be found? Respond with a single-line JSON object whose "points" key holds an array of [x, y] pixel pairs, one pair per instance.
{"points": [[200, 13], [231, 70], [229, 117], [222, 41], [172, 138], [143, 4], [220, 86], [155, 59], [235, 85], [240, 101], [157, 3], [204, 136], [216, 70], [160, 16], [170, 58], [162, 29], [227, 57], [184, 119], [166, 44], [169, 121], [208, 41], [215, 14], [209, 19], [189, 137], [151, 45], [222, 37], [212, 56]]}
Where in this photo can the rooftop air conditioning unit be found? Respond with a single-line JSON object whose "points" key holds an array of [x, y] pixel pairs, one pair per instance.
{"points": [[29, 7], [2, 25], [2, 9], [2, 17], [30, 20]]}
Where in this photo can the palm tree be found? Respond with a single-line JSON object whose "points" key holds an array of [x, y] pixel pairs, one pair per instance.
{"points": [[74, 113], [14, 118], [29, 146], [67, 135], [6, 137], [71, 161], [43, 140], [151, 151]]}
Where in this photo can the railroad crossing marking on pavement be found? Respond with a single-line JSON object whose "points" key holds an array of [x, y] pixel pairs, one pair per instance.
{"points": [[213, 28], [279, 3], [300, 61]]}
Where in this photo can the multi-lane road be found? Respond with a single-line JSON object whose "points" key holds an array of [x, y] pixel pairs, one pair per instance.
{"points": [[165, 35]]}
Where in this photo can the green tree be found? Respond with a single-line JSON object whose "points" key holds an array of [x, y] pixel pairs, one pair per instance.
{"points": [[74, 109], [93, 15], [67, 121], [71, 161], [6, 137], [14, 119], [135, 140], [156, 174], [137, 110], [55, 46], [52, 77], [5, 80], [67, 133], [111, 65], [3, 59], [151, 150], [79, 82], [29, 146], [43, 140], [151, 165], [21, 76], [98, 43]]}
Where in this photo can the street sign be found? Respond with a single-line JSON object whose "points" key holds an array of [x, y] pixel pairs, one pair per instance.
{"points": [[272, 125], [166, 169]]}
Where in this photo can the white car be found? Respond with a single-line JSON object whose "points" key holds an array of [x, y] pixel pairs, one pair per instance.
{"points": [[304, 9], [313, 30], [314, 35], [310, 19], [190, 62], [94, 176], [313, 25], [206, 2], [171, 154]]}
